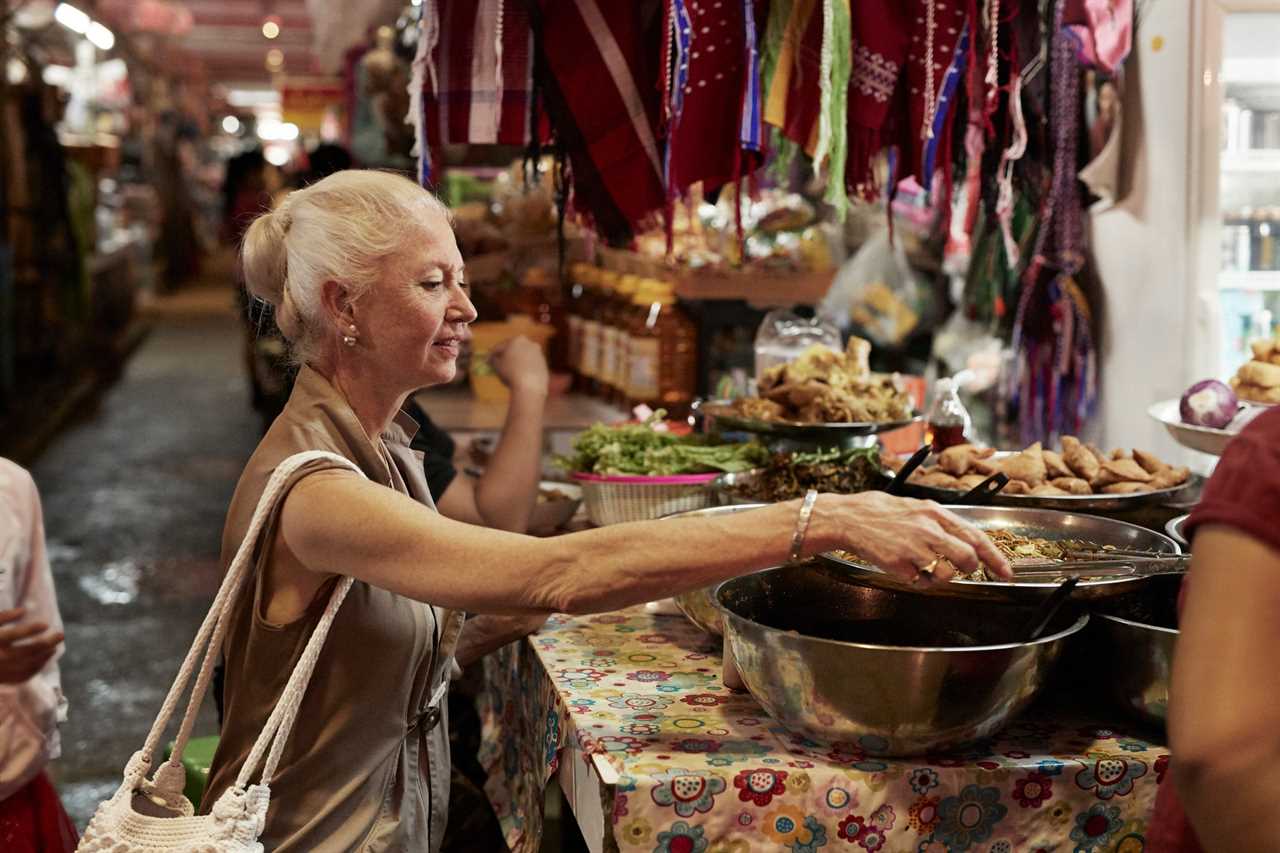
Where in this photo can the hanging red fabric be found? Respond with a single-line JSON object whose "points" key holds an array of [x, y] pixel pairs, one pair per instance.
{"points": [[603, 95]]}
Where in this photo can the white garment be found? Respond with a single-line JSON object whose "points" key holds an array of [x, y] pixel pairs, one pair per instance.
{"points": [[29, 712]]}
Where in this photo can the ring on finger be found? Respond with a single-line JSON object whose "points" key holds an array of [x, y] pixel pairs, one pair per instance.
{"points": [[925, 572]]}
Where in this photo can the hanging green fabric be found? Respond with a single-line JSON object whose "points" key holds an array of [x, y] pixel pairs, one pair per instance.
{"points": [[835, 105]]}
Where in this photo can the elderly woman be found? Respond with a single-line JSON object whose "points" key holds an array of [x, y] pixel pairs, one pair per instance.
{"points": [[368, 287]]}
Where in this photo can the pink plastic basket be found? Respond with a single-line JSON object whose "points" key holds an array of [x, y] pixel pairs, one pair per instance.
{"points": [[616, 499]]}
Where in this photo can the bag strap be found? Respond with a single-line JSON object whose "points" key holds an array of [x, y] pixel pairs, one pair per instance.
{"points": [[216, 622]]}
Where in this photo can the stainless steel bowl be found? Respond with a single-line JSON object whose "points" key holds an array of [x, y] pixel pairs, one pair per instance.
{"points": [[1139, 633], [699, 605], [1039, 523], [1174, 528], [891, 672]]}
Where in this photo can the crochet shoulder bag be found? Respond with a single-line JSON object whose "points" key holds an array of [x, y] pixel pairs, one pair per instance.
{"points": [[148, 813]]}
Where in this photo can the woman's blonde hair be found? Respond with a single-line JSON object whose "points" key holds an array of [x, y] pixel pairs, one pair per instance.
{"points": [[343, 229]]}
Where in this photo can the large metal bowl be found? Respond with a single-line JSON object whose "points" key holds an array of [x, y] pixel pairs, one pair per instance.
{"points": [[699, 605], [891, 672], [1139, 633], [1040, 523]]}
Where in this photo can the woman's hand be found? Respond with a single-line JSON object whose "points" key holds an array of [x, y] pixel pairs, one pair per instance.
{"points": [[910, 538], [25, 647], [521, 366]]}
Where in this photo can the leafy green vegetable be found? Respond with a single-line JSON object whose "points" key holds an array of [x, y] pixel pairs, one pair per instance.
{"points": [[638, 449], [791, 475]]}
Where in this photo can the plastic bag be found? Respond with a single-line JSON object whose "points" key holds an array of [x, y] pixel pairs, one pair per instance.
{"points": [[783, 336], [877, 295]]}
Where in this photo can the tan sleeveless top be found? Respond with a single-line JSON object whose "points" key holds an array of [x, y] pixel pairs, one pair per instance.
{"points": [[367, 765]]}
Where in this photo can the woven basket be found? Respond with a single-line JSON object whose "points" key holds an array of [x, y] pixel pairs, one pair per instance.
{"points": [[613, 500]]}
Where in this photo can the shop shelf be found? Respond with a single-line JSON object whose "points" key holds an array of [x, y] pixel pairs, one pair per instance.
{"points": [[1251, 160], [1251, 280]]}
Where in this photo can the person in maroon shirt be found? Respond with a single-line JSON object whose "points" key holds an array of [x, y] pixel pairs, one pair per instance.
{"points": [[1224, 709]]}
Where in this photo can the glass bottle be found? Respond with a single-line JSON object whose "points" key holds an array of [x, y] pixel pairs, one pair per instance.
{"points": [[576, 303], [663, 353], [947, 422], [592, 330]]}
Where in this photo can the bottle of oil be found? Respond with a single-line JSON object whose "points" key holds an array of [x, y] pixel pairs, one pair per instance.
{"points": [[574, 307], [663, 353], [611, 319], [593, 329]]}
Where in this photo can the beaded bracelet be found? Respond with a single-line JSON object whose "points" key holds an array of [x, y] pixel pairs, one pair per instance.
{"points": [[802, 524]]}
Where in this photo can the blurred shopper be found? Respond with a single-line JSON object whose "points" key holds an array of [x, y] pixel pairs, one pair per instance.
{"points": [[1224, 715], [31, 701]]}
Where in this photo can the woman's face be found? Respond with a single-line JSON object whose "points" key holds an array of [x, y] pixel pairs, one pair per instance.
{"points": [[414, 320]]}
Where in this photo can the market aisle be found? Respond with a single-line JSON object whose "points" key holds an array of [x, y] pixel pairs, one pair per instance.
{"points": [[134, 496]]}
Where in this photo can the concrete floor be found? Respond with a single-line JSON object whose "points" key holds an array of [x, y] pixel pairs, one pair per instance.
{"points": [[134, 495]]}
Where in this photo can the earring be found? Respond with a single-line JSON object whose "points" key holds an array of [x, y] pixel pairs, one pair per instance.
{"points": [[350, 340]]}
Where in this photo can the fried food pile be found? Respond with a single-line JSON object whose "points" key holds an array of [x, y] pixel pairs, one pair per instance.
{"points": [[824, 386], [1079, 469], [1258, 380]]}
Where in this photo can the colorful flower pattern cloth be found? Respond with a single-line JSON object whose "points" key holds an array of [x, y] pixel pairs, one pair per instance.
{"points": [[704, 770]]}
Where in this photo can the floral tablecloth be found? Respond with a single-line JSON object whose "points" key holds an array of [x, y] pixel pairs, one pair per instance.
{"points": [[701, 769]]}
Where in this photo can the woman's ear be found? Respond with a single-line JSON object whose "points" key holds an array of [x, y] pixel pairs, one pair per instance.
{"points": [[338, 305]]}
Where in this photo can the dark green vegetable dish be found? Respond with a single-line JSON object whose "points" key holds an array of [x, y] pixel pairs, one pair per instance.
{"points": [[790, 475]]}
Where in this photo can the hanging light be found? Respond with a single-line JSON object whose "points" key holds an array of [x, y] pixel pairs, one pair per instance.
{"points": [[102, 38], [72, 18], [230, 124], [271, 28]]}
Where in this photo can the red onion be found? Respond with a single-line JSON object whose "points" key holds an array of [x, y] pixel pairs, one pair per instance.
{"points": [[1208, 403]]}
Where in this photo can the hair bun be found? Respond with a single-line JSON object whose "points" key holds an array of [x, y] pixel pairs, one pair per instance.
{"points": [[265, 258]]}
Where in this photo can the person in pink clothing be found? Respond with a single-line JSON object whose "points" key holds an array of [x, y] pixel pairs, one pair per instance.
{"points": [[31, 700]]}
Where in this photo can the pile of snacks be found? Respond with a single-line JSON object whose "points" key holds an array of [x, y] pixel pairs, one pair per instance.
{"points": [[1258, 380], [824, 386], [1079, 469]]}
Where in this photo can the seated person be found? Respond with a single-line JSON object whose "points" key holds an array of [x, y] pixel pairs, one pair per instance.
{"points": [[503, 496]]}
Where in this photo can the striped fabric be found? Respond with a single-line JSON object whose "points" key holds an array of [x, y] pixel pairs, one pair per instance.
{"points": [[602, 93], [475, 91]]}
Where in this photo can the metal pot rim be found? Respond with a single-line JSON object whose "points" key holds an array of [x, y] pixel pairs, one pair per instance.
{"points": [[1143, 625], [729, 615]]}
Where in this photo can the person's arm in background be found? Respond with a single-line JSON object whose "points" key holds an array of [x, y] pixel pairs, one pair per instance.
{"points": [[1224, 707], [503, 497], [30, 632], [1224, 715]]}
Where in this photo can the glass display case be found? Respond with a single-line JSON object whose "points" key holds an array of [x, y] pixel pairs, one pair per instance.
{"points": [[1248, 185]]}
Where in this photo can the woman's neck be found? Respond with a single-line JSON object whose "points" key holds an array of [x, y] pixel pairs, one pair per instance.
{"points": [[374, 404]]}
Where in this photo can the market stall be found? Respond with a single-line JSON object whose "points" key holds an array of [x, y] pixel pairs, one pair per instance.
{"points": [[629, 711]]}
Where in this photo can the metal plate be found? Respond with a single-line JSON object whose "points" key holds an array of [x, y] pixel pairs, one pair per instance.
{"points": [[1037, 523], [1066, 503], [728, 419]]}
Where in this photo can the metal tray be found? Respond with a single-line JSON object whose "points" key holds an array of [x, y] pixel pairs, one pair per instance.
{"points": [[727, 418], [1067, 503], [1038, 523]]}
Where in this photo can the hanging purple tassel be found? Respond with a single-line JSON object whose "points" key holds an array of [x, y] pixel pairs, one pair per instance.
{"points": [[1055, 385]]}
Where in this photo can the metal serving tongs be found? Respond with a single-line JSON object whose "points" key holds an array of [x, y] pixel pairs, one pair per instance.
{"points": [[1119, 567]]}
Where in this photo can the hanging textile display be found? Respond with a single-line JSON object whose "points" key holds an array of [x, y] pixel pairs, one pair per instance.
{"points": [[602, 94], [710, 75], [474, 86], [1054, 388]]}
